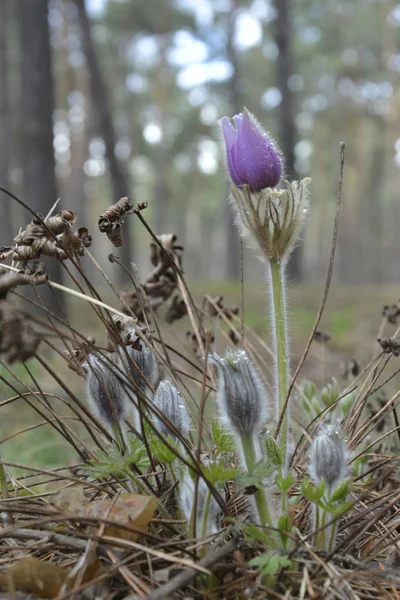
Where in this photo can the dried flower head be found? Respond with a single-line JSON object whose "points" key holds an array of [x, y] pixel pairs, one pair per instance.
{"points": [[242, 397], [328, 457], [251, 156], [170, 403]]}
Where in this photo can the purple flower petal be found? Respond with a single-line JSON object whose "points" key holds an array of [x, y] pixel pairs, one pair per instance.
{"points": [[251, 156], [229, 132], [230, 136]]}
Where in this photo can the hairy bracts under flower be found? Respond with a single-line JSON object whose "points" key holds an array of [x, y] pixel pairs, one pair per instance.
{"points": [[251, 156], [241, 396]]}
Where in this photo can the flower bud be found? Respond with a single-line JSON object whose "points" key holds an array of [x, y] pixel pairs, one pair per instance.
{"points": [[170, 403], [251, 156], [147, 370], [242, 397], [187, 502], [328, 457], [105, 393]]}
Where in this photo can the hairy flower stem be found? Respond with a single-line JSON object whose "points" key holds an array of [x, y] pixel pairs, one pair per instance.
{"points": [[279, 326], [250, 457]]}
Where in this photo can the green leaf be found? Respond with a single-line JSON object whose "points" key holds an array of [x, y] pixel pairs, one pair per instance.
{"points": [[341, 491], [254, 533], [223, 439], [162, 452], [263, 469], [217, 472], [273, 451], [270, 563], [285, 483], [330, 393], [284, 527], [312, 492]]}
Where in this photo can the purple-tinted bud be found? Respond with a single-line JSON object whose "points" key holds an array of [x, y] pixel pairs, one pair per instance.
{"points": [[328, 457], [170, 403], [147, 366], [251, 156], [105, 393], [241, 396]]}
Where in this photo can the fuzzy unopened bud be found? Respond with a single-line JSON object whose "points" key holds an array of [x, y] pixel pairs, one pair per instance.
{"points": [[204, 499], [170, 403], [105, 393], [242, 397], [147, 368], [328, 457]]}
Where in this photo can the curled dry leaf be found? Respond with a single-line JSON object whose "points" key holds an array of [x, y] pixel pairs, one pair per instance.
{"points": [[110, 220], [129, 510], [18, 341], [37, 239], [161, 282], [176, 310], [33, 274]]}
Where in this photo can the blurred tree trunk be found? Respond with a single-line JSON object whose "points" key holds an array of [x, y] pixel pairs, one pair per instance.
{"points": [[160, 154], [6, 227], [37, 106], [232, 253], [287, 133], [119, 177]]}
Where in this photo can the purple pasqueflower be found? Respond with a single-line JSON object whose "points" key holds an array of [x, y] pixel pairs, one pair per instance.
{"points": [[251, 156]]}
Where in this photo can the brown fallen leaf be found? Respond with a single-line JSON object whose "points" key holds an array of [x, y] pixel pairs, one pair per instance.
{"points": [[70, 499], [131, 510], [44, 579]]}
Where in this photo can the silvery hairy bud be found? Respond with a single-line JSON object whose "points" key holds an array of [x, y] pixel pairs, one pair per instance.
{"points": [[105, 393], [328, 457], [241, 395], [187, 502], [170, 403], [147, 370]]}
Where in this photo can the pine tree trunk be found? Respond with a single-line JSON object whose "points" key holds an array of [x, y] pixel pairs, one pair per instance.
{"points": [[37, 107], [119, 177], [287, 131], [232, 260], [6, 227]]}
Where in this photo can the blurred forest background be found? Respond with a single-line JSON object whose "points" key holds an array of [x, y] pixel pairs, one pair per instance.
{"points": [[107, 98], [101, 99]]}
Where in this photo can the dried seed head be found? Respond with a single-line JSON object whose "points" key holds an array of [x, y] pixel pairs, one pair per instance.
{"points": [[187, 501], [328, 457], [169, 401], [105, 393], [242, 397]]}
